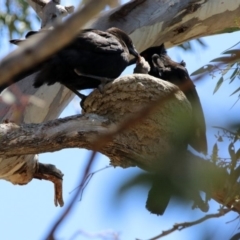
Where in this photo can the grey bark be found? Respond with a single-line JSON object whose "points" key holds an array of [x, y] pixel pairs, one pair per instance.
{"points": [[148, 23], [150, 141], [56, 97], [158, 134]]}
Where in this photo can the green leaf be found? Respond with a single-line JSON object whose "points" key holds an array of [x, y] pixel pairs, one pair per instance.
{"points": [[214, 156], [201, 42], [219, 83], [231, 151], [227, 68], [230, 47], [221, 59], [237, 90], [206, 68], [233, 76], [232, 51], [232, 79], [238, 154]]}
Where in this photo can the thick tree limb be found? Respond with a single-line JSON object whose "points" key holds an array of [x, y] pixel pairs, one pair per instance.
{"points": [[147, 145], [70, 132], [148, 23], [121, 98], [181, 226], [50, 10], [189, 23], [56, 97], [151, 23], [43, 45]]}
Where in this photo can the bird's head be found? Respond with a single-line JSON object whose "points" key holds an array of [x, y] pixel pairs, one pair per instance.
{"points": [[121, 35], [28, 35]]}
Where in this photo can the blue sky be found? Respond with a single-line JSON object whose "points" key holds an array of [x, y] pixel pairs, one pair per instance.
{"points": [[27, 212]]}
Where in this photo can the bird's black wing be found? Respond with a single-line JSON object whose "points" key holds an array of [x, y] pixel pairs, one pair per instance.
{"points": [[159, 195], [177, 74], [92, 52], [98, 41], [198, 139]]}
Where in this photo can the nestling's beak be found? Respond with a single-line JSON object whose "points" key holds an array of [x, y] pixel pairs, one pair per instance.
{"points": [[17, 41], [155, 58], [134, 52]]}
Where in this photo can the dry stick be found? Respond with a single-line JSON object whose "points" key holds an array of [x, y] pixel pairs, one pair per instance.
{"points": [[181, 226], [40, 47], [107, 234], [225, 130], [50, 236], [87, 180], [97, 144]]}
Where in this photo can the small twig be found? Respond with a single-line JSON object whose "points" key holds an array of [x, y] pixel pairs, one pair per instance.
{"points": [[233, 219], [224, 130], [50, 236], [234, 103], [181, 226], [87, 180], [102, 235]]}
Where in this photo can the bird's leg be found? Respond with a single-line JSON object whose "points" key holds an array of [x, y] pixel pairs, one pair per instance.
{"points": [[80, 95], [103, 80], [199, 203]]}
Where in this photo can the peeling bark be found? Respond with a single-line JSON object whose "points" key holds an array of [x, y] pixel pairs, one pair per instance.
{"points": [[50, 11], [149, 23], [55, 97], [150, 144], [125, 96]]}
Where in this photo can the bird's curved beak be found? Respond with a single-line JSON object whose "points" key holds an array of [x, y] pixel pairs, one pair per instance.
{"points": [[134, 52], [17, 41]]}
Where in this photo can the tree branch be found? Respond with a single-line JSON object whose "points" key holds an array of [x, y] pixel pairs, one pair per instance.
{"points": [[151, 23], [147, 144], [74, 131], [121, 98], [41, 46], [181, 226], [55, 97], [49, 10], [148, 23]]}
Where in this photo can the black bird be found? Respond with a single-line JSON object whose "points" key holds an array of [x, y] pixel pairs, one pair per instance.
{"points": [[177, 74], [162, 66], [94, 57]]}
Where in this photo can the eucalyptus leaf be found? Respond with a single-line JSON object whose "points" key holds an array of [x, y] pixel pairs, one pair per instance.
{"points": [[237, 90], [218, 85], [204, 69]]}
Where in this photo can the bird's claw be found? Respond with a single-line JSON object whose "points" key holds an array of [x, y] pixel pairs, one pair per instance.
{"points": [[104, 81], [50, 173]]}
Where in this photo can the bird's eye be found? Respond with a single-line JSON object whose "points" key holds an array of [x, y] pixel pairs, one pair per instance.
{"points": [[53, 16]]}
